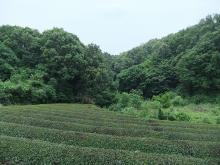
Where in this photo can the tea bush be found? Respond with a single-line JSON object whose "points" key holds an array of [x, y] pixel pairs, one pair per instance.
{"points": [[85, 134], [25, 151]]}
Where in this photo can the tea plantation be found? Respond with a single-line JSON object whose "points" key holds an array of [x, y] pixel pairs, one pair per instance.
{"points": [[86, 134]]}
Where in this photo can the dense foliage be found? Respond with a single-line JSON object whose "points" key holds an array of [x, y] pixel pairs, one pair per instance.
{"points": [[54, 66], [188, 61]]}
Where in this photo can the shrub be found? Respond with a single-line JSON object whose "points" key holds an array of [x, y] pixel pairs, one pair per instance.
{"points": [[104, 98], [123, 99], [152, 105], [178, 101], [130, 111], [127, 100], [206, 120], [22, 89], [165, 99], [166, 115], [161, 115], [181, 116], [197, 99], [135, 100], [218, 120], [144, 114], [115, 107], [171, 116]]}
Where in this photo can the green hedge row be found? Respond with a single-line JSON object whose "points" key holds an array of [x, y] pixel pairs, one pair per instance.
{"points": [[24, 151], [82, 115], [184, 124], [92, 112], [110, 123], [135, 120], [127, 119], [107, 130], [191, 148], [101, 122]]}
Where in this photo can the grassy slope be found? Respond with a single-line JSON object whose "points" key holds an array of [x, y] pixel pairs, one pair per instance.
{"points": [[74, 133]]}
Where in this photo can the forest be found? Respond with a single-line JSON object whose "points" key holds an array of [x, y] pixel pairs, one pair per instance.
{"points": [[176, 77]]}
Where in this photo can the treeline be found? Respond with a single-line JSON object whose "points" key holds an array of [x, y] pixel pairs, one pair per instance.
{"points": [[54, 66], [188, 61]]}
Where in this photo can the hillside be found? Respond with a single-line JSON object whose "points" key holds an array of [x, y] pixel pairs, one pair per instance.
{"points": [[86, 134], [174, 78]]}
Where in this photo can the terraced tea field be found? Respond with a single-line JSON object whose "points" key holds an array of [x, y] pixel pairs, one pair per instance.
{"points": [[85, 134]]}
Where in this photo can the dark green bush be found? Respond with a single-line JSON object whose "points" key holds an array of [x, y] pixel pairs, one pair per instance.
{"points": [[161, 115], [206, 120], [165, 99], [127, 100], [178, 101], [218, 120], [26, 86], [171, 116], [181, 116]]}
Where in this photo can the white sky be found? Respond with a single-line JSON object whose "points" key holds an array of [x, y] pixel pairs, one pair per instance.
{"points": [[115, 25]]}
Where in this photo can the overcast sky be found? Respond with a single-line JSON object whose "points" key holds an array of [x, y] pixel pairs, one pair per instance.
{"points": [[115, 25]]}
